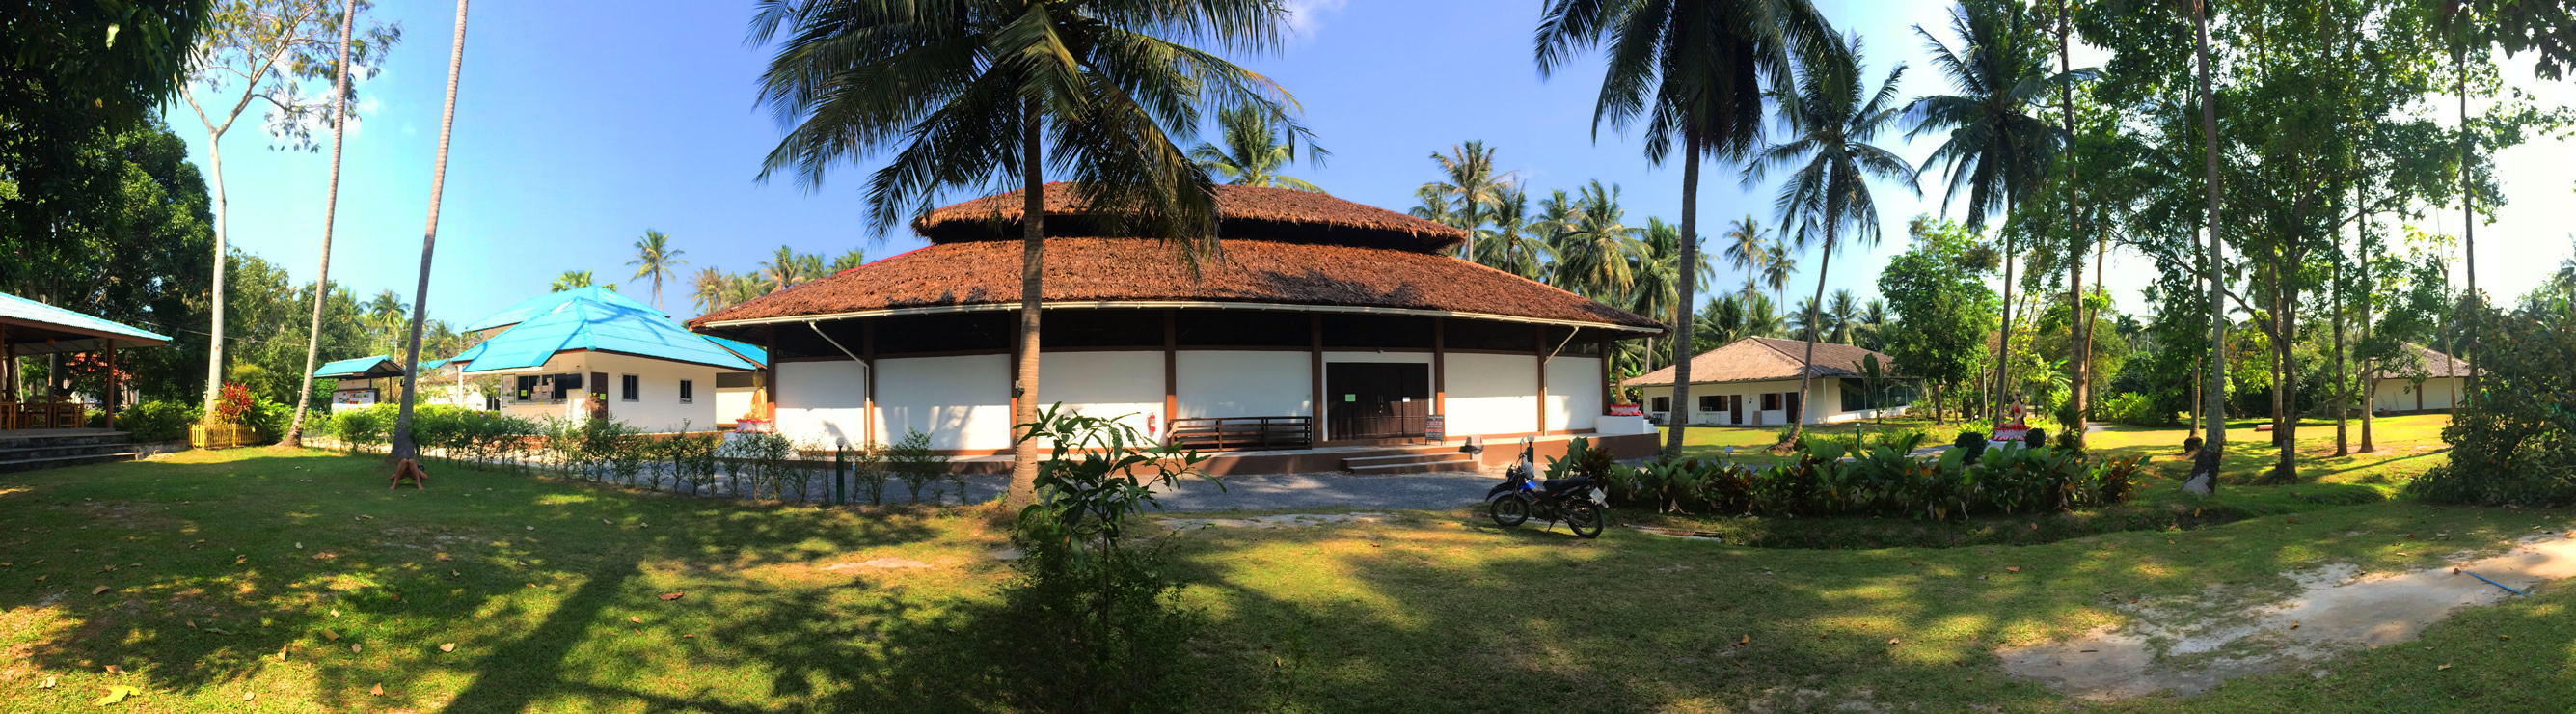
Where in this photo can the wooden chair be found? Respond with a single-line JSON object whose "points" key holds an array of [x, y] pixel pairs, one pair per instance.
{"points": [[8, 415], [68, 415]]}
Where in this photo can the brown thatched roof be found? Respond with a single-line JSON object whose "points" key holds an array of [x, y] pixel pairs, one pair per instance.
{"points": [[1242, 212], [2427, 364], [1755, 359], [987, 273]]}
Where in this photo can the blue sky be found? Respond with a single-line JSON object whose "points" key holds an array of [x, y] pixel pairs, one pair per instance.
{"points": [[578, 129]]}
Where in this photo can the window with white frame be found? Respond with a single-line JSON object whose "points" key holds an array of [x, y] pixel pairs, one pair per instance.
{"points": [[630, 388], [688, 391]]}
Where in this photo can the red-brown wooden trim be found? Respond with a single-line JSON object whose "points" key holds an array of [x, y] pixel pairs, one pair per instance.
{"points": [[868, 398], [1171, 368], [1315, 369], [1539, 354], [1604, 359], [110, 398], [1440, 367]]}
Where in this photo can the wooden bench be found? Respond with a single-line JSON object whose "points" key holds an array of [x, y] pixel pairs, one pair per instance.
{"points": [[1242, 433]]}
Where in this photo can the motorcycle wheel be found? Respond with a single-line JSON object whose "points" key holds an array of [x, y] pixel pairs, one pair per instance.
{"points": [[1584, 518], [1509, 511]]}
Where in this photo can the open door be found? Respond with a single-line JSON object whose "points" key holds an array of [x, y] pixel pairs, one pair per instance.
{"points": [[1797, 414], [599, 395]]}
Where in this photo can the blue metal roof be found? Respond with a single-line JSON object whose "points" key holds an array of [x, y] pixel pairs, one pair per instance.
{"points": [[24, 314], [358, 368], [599, 320], [532, 308]]}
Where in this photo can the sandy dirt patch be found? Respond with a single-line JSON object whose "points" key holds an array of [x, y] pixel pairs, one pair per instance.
{"points": [[2335, 609]]}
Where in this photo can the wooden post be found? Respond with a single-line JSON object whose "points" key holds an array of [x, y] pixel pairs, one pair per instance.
{"points": [[868, 397], [109, 399], [1171, 368], [1601, 347], [1440, 365], [1315, 369], [1539, 351]]}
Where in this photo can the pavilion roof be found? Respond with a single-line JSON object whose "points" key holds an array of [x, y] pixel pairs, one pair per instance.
{"points": [[368, 367], [600, 321], [37, 328]]}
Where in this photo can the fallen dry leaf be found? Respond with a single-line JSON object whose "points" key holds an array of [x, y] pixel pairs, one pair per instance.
{"points": [[2445, 665], [49, 684], [1748, 639], [116, 694], [2013, 569], [335, 637], [354, 647], [247, 695], [1891, 640], [378, 690], [103, 588], [2294, 624], [673, 596], [688, 637], [113, 669], [447, 647], [639, 620]]}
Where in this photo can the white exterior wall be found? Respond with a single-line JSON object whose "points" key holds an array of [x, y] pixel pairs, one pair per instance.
{"points": [[1127, 386], [1214, 383], [2398, 395], [732, 404], [963, 402], [1495, 394], [1823, 407], [657, 407], [823, 404], [1573, 392]]}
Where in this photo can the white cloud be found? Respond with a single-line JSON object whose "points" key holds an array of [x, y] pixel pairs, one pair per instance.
{"points": [[1305, 17]]}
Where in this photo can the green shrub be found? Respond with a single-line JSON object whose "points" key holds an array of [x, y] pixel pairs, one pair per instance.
{"points": [[2134, 409], [916, 465], [1884, 479], [2514, 439], [158, 420]]}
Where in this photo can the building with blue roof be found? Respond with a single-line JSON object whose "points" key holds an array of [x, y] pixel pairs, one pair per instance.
{"points": [[591, 352]]}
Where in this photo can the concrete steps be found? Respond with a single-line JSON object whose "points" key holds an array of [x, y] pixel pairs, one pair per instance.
{"points": [[1411, 462], [34, 451]]}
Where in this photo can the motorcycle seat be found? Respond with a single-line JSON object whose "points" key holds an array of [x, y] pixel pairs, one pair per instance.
{"points": [[1557, 485]]}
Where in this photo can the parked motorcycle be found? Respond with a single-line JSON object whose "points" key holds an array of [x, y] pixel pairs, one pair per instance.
{"points": [[1578, 502]]}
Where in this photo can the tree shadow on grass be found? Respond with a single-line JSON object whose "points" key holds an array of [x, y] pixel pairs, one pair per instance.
{"points": [[247, 556]]}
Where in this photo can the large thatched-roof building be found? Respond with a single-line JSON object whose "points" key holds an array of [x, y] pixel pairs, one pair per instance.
{"points": [[1318, 322]]}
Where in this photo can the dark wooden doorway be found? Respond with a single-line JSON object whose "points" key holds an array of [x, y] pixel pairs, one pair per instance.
{"points": [[1376, 400]]}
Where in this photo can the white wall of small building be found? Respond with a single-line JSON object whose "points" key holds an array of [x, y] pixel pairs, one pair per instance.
{"points": [[2399, 395], [655, 408], [1824, 407]]}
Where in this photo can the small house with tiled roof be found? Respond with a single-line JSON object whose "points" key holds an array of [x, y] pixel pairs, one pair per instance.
{"points": [[592, 353], [2419, 380], [1754, 382], [1314, 321]]}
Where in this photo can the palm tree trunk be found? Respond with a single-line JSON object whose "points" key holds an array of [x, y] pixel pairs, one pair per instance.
{"points": [[403, 448], [1024, 388], [330, 215], [1688, 255], [2214, 438], [1807, 373], [2003, 337], [215, 340], [2469, 227], [2077, 370]]}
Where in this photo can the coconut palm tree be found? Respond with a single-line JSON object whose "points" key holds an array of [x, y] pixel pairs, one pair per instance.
{"points": [[1720, 321], [1997, 148], [1805, 321], [403, 448], [570, 280], [968, 93], [743, 288], [1745, 244], [708, 289], [783, 270], [1433, 206], [1469, 185], [1596, 255], [654, 259], [1778, 266], [1842, 317], [1513, 244], [1762, 317], [855, 258], [330, 215], [1657, 289], [1693, 71], [1255, 151], [1872, 328], [1830, 159]]}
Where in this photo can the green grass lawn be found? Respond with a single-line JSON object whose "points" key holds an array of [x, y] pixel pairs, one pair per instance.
{"points": [[2407, 445], [553, 596]]}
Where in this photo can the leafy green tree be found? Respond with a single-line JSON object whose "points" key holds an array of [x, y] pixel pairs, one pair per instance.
{"points": [[846, 261], [1657, 288], [338, 122], [130, 205], [1842, 317], [655, 259], [76, 74], [1469, 185], [969, 93], [1747, 249], [1830, 160], [267, 51], [708, 289], [1778, 267], [1939, 308], [570, 280], [1254, 152], [1694, 73]]}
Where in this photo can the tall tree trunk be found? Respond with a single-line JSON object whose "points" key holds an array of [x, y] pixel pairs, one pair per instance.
{"points": [[2286, 391], [1807, 372], [403, 447], [2214, 441], [2469, 230], [2003, 336], [1688, 256], [330, 217], [215, 338], [2342, 380], [2368, 388], [1024, 387], [2077, 370]]}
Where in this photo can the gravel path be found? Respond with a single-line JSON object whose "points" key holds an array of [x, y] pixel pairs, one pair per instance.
{"points": [[1314, 490]]}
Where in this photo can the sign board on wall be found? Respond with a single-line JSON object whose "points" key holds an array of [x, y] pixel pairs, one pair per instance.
{"points": [[359, 397]]}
